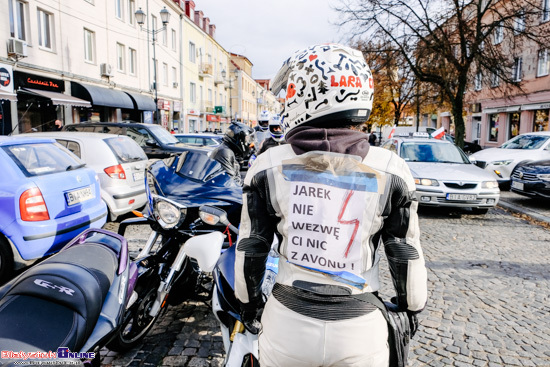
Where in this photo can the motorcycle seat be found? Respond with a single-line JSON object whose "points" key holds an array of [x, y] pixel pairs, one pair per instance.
{"points": [[57, 302]]}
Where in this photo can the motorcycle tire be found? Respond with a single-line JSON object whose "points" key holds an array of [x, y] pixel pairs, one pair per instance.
{"points": [[137, 325]]}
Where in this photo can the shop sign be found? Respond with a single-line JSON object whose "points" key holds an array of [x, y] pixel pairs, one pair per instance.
{"points": [[537, 106], [193, 112], [6, 79], [163, 104], [177, 106], [224, 119], [24, 80], [212, 118]]}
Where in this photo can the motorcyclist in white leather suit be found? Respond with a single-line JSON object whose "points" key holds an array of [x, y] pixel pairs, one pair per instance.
{"points": [[332, 200]]}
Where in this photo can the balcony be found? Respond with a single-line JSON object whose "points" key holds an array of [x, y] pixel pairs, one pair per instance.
{"points": [[205, 70], [207, 106]]}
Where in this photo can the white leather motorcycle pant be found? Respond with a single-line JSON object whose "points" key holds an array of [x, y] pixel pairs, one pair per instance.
{"points": [[289, 339]]}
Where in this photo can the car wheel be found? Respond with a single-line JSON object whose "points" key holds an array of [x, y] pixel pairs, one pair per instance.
{"points": [[6, 261], [480, 210]]}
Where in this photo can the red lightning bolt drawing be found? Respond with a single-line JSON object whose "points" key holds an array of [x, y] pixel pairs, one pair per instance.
{"points": [[355, 222]]}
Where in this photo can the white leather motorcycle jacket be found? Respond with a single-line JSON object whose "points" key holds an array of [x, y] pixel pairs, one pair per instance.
{"points": [[331, 212]]}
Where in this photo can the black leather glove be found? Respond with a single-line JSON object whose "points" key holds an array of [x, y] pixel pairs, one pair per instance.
{"points": [[251, 313], [413, 322]]}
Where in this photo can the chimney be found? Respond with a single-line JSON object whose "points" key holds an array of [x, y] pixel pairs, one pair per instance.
{"points": [[198, 18], [190, 8], [206, 24], [212, 31]]}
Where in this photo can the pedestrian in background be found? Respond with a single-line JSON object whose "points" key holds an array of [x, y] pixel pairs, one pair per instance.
{"points": [[332, 200], [372, 138]]}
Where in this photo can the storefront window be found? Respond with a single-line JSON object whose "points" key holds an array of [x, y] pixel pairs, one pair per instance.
{"points": [[493, 127], [513, 124], [541, 120]]}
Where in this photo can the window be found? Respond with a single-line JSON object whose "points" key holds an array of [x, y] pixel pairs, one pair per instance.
{"points": [[164, 37], [18, 16], [209, 95], [89, 45], [133, 61], [516, 70], [120, 53], [513, 125], [44, 29], [174, 77], [118, 9], [545, 10], [493, 127], [153, 22], [544, 63], [192, 52], [519, 22], [164, 73], [499, 34], [477, 81], [495, 79], [131, 11], [192, 92], [540, 122], [173, 40]]}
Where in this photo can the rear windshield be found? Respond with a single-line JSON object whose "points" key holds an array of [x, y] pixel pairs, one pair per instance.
{"points": [[126, 150], [40, 159]]}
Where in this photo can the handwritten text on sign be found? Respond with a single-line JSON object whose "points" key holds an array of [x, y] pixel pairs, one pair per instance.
{"points": [[324, 227]]}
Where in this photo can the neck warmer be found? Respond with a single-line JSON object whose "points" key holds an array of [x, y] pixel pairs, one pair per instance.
{"points": [[304, 139]]}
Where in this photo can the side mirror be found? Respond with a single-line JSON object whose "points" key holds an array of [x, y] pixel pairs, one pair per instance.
{"points": [[151, 143]]}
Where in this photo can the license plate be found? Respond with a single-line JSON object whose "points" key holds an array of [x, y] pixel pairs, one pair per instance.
{"points": [[463, 197], [138, 176], [78, 196], [517, 185]]}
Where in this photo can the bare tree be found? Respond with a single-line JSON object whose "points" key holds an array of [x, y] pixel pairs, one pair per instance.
{"points": [[445, 42]]}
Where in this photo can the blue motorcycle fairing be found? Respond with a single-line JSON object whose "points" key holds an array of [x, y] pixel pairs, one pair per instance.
{"points": [[193, 179]]}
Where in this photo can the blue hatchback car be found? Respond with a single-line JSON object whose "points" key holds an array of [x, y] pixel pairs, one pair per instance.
{"points": [[47, 197]]}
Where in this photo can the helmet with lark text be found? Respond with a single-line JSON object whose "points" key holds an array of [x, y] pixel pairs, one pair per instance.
{"points": [[326, 85]]}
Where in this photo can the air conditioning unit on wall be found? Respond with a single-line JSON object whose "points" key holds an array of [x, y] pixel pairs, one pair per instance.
{"points": [[105, 69], [17, 47]]}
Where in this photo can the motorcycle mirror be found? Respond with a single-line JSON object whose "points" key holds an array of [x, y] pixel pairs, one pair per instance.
{"points": [[212, 215]]}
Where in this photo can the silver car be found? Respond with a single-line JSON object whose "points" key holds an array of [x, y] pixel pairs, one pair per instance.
{"points": [[118, 161], [443, 174]]}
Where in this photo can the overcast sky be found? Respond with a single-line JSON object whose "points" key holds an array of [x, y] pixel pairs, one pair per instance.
{"points": [[267, 32]]}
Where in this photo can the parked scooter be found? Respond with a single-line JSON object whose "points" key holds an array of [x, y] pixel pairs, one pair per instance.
{"points": [[71, 304]]}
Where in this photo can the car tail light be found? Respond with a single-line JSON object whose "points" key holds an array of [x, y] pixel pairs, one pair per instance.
{"points": [[32, 206], [116, 172]]}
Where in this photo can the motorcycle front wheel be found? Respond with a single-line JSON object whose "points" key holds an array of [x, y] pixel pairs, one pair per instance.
{"points": [[136, 325]]}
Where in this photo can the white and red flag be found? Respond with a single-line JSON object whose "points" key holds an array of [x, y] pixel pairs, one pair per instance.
{"points": [[391, 132], [439, 133]]}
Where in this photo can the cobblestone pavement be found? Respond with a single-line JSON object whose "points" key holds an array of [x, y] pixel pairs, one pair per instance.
{"points": [[488, 300]]}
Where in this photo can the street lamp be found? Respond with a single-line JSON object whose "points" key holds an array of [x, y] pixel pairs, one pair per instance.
{"points": [[140, 19]]}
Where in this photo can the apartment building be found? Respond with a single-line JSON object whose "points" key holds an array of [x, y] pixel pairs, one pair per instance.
{"points": [[497, 114], [90, 60]]}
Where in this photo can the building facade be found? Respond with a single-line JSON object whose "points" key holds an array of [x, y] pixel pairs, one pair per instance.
{"points": [[90, 60]]}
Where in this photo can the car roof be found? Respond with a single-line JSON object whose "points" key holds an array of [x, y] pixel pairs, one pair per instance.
{"points": [[537, 133], [210, 135], [89, 123], [20, 139], [82, 135], [420, 140]]}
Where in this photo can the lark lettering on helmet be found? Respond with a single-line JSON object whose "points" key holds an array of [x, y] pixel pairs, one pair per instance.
{"points": [[325, 84]]}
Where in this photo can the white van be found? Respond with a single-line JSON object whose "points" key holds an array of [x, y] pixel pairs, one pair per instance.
{"points": [[118, 161]]}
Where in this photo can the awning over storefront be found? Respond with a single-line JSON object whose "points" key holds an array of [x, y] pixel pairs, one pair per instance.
{"points": [[57, 98], [102, 96], [8, 96], [142, 102], [501, 109]]}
